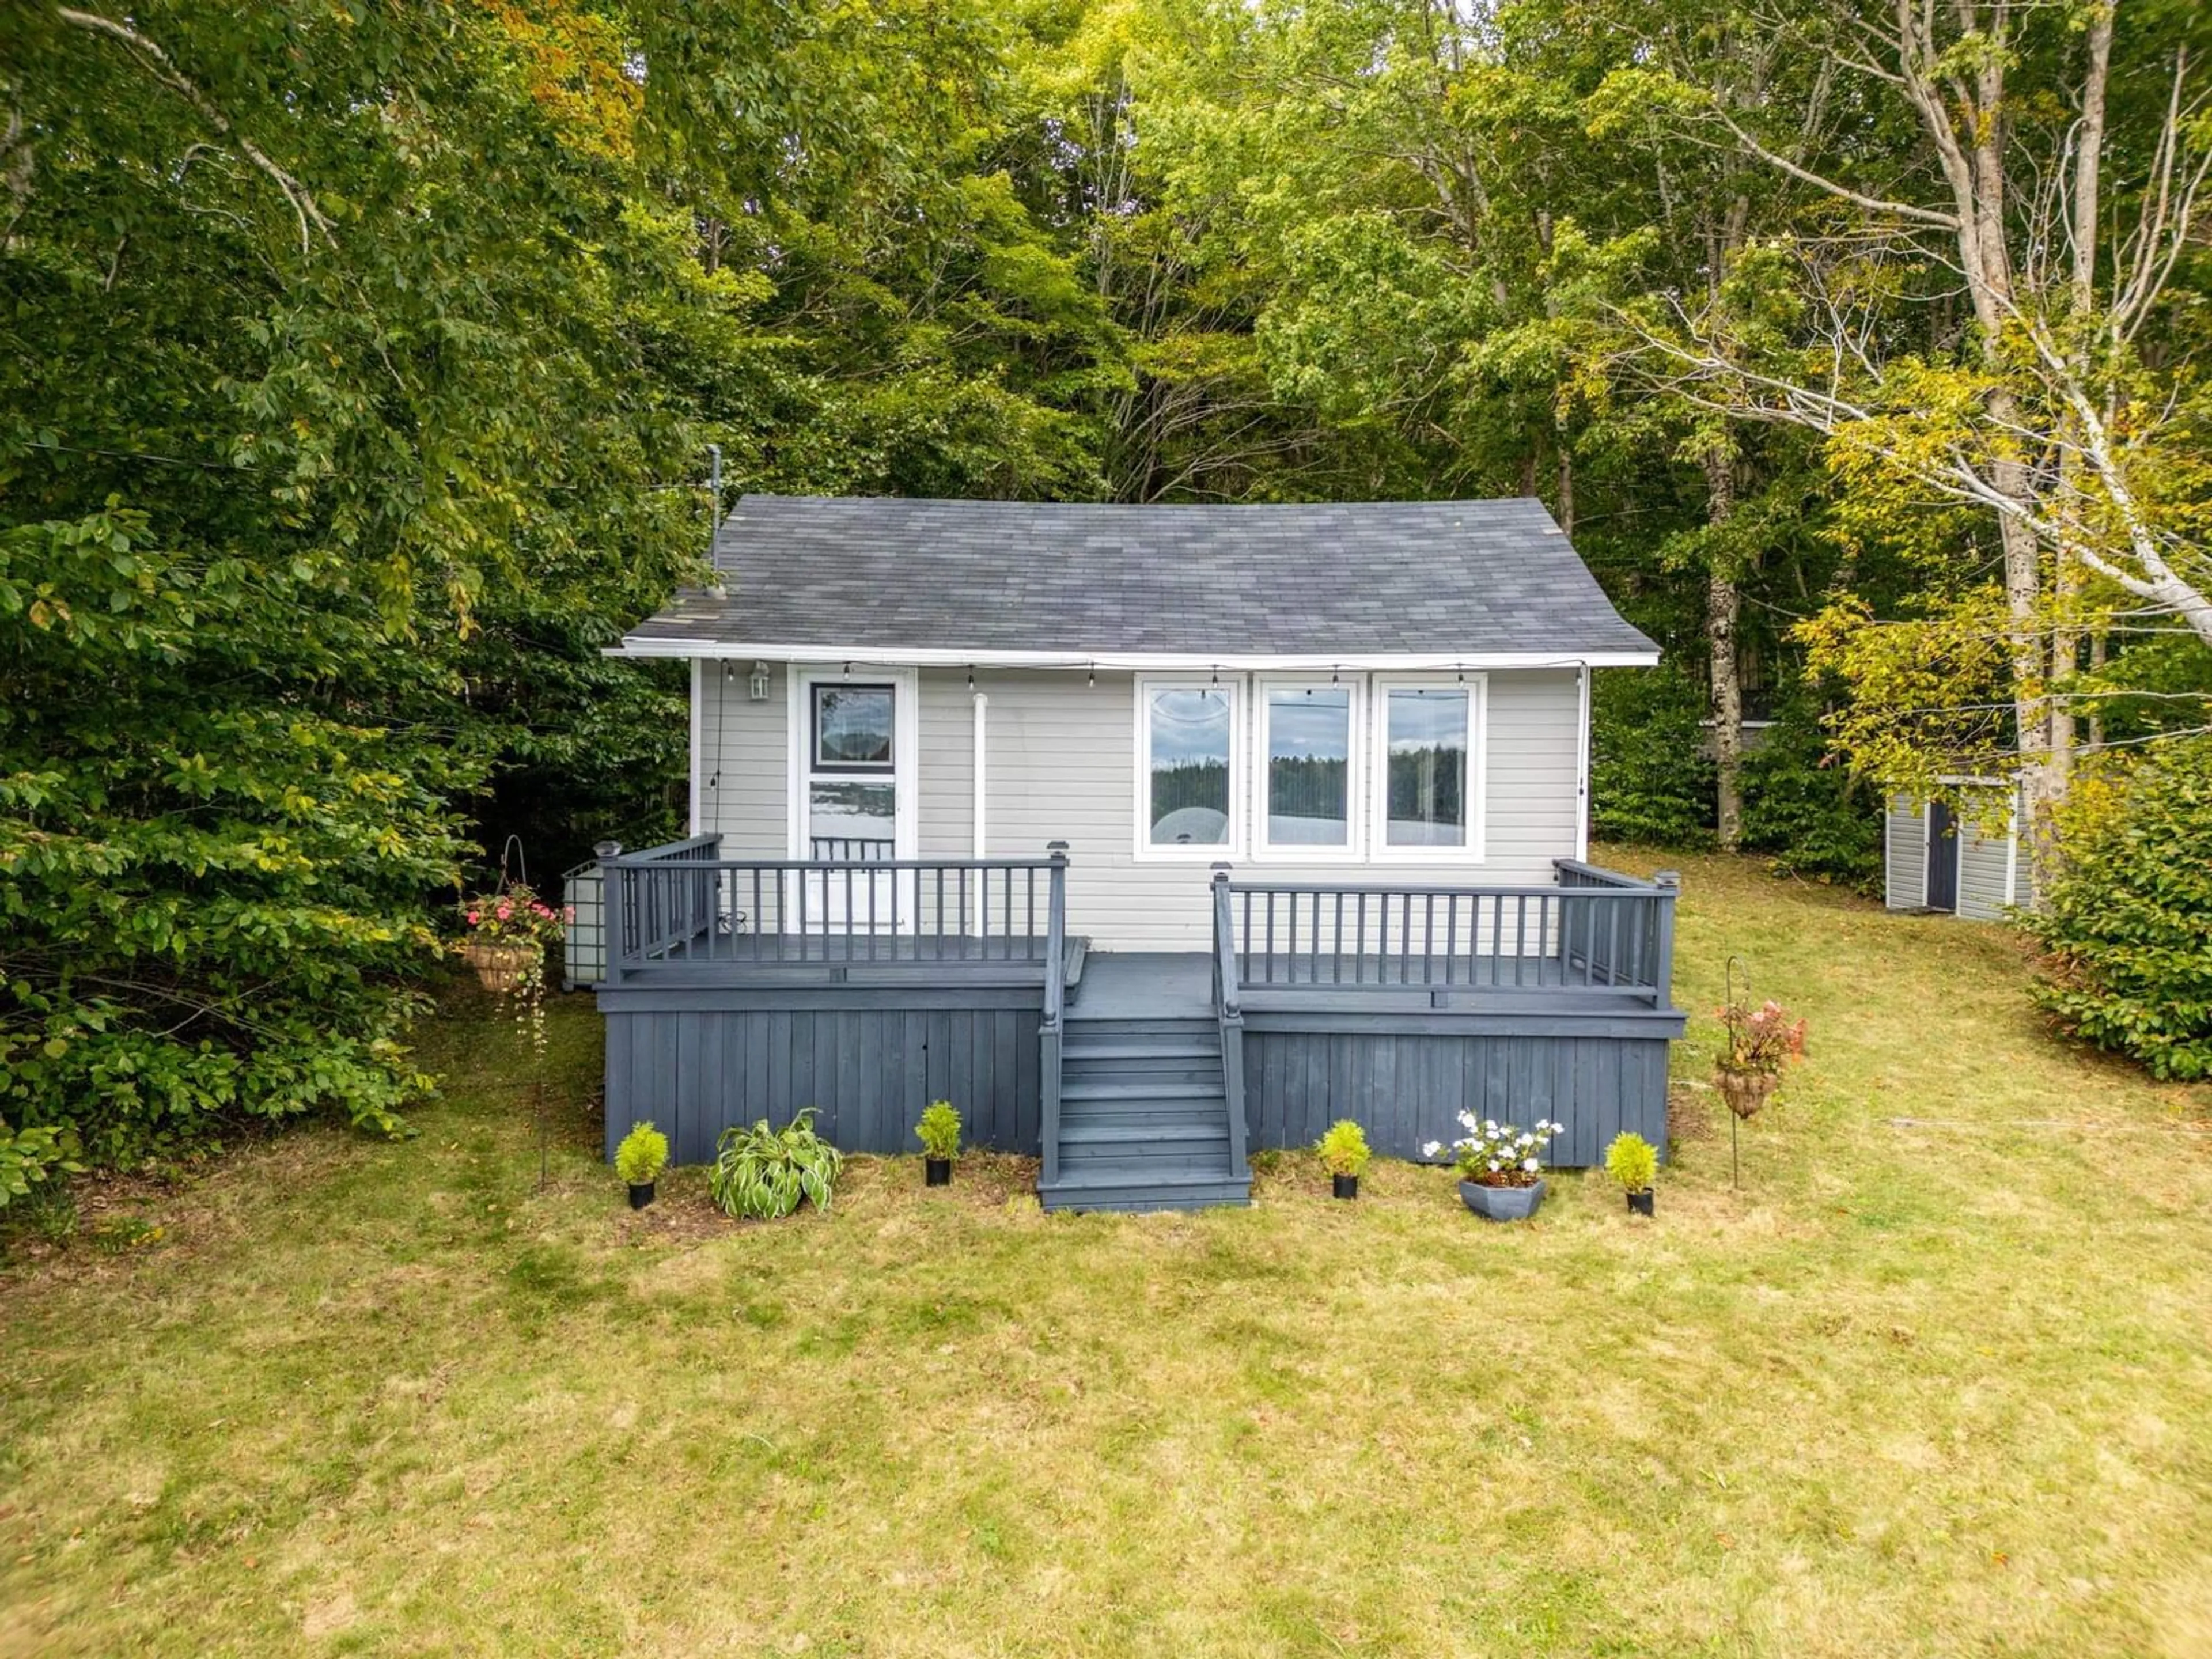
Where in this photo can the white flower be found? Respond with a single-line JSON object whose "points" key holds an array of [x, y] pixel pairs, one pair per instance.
{"points": [[1431, 1148], [1493, 1164], [1531, 1165]]}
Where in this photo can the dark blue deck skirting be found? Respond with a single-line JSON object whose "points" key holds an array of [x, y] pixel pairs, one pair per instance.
{"points": [[696, 1058]]}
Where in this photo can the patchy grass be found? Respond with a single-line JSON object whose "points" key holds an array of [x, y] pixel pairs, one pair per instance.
{"points": [[1931, 1388]]}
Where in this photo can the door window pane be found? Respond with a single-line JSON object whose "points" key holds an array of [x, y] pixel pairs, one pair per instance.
{"points": [[852, 728], [1189, 729], [851, 820], [1426, 776], [1310, 766]]}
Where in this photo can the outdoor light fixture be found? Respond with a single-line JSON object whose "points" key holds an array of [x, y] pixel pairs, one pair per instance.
{"points": [[759, 684]]}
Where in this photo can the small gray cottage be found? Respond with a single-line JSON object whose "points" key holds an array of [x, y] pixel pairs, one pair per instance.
{"points": [[1974, 864], [1146, 835]]}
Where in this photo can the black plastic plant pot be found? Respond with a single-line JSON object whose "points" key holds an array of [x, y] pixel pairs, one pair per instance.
{"points": [[938, 1171], [1344, 1186], [641, 1194], [1641, 1202]]}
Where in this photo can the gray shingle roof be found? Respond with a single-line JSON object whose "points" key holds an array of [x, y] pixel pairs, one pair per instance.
{"points": [[1355, 579]]}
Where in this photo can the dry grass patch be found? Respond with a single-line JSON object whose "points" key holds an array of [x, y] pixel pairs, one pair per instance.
{"points": [[1910, 1391]]}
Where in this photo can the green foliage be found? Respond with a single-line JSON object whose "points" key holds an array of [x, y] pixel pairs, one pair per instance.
{"points": [[2127, 935], [1651, 775], [940, 1129], [765, 1173], [1632, 1161], [642, 1155], [30, 1159], [1343, 1148], [1803, 807]]}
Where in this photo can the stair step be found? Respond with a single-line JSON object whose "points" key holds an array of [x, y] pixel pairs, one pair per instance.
{"points": [[1139, 1088], [1131, 1053], [1100, 1168], [1096, 1192], [1094, 1133], [1152, 1029]]}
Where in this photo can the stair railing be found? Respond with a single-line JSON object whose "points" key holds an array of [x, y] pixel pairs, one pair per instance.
{"points": [[1229, 1012], [1049, 1029]]}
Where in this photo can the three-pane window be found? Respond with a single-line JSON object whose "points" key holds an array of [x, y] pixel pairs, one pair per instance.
{"points": [[1383, 768]]}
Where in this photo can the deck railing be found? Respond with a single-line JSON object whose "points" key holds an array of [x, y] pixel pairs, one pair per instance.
{"points": [[1596, 931], [1048, 1026], [684, 903], [1228, 1015]]}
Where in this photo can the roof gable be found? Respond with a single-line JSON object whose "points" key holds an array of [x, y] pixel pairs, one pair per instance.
{"points": [[1441, 579]]}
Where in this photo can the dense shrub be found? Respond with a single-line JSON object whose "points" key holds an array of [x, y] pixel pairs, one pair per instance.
{"points": [[1651, 778], [1803, 808], [2127, 929]]}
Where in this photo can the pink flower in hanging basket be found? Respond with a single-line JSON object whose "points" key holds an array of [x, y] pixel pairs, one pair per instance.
{"points": [[472, 918]]}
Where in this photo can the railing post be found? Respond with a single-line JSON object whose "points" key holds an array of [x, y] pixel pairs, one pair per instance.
{"points": [[1669, 885], [1228, 1005], [1048, 1030]]}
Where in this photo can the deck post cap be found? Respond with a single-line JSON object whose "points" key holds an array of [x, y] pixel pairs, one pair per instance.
{"points": [[1667, 878], [606, 849]]}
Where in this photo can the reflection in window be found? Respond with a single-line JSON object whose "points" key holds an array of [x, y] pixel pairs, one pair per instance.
{"points": [[1189, 730], [1310, 766], [1426, 777], [848, 821], [852, 728]]}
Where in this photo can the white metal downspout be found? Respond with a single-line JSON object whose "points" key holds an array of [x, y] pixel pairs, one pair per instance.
{"points": [[1583, 773], [982, 703]]}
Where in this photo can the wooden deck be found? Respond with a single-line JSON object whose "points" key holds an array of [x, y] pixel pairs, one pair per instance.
{"points": [[1139, 1077]]}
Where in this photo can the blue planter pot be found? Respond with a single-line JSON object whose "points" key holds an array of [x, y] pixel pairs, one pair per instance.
{"points": [[1501, 1203]]}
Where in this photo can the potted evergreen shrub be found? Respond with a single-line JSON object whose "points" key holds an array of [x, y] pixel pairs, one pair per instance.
{"points": [[1634, 1163], [939, 1130], [1345, 1153], [638, 1160], [1500, 1166], [1759, 1044]]}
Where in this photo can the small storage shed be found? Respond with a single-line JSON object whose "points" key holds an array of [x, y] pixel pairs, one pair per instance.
{"points": [[1963, 856]]}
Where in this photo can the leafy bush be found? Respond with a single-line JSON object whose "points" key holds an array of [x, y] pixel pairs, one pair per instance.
{"points": [[1801, 806], [1651, 779], [642, 1155], [939, 1130], [2127, 929], [1492, 1154], [765, 1173], [29, 1157], [1632, 1161], [1344, 1150]]}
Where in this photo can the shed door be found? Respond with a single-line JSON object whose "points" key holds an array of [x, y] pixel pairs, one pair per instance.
{"points": [[1942, 892]]}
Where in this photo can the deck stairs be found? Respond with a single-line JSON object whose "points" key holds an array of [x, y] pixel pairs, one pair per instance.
{"points": [[1144, 1111]]}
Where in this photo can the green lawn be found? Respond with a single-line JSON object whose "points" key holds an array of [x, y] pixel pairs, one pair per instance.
{"points": [[1932, 1389]]}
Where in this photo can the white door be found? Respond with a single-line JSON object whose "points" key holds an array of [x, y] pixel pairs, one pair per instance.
{"points": [[853, 799]]}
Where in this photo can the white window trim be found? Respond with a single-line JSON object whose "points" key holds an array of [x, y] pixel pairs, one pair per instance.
{"points": [[1379, 850], [906, 749], [1141, 791], [1354, 850]]}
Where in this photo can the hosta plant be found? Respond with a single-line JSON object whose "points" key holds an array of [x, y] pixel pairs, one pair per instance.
{"points": [[1492, 1154], [764, 1174], [642, 1155]]}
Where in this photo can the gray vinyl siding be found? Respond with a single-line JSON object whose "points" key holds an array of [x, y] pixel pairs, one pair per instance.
{"points": [[1906, 854], [743, 788], [1060, 765], [1982, 858]]}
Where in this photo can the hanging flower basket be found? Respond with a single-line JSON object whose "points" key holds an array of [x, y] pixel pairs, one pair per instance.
{"points": [[1746, 1091], [499, 967]]}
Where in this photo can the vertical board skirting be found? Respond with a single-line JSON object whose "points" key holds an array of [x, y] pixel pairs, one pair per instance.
{"points": [[866, 1071], [1408, 1089]]}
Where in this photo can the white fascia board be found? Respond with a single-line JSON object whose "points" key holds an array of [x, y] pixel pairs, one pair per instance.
{"points": [[1160, 662]]}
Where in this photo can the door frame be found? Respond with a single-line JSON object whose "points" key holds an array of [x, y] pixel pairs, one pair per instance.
{"points": [[906, 753], [1940, 847]]}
